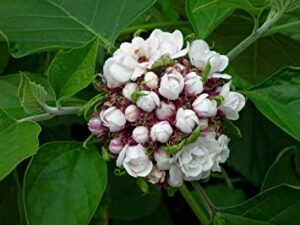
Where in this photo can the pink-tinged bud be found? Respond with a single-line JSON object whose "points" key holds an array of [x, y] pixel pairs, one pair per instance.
{"points": [[203, 124], [115, 146], [132, 113], [149, 101], [113, 118], [151, 80], [165, 110], [128, 90], [193, 84], [140, 134], [161, 132], [95, 126], [186, 120]]}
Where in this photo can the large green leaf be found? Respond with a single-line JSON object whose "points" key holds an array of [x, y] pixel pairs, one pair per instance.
{"points": [[206, 15], [285, 169], [124, 190], [229, 219], [4, 56], [35, 25], [277, 206], [18, 141], [64, 184], [278, 98], [71, 71], [260, 60], [261, 142]]}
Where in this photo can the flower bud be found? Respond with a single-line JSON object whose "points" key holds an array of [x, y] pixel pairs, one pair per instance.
{"points": [[113, 118], [115, 146], [95, 126], [148, 102], [128, 89], [132, 113], [151, 80], [186, 120], [171, 85], [165, 110], [161, 132], [140, 134], [203, 124], [193, 84], [156, 176], [205, 107]]}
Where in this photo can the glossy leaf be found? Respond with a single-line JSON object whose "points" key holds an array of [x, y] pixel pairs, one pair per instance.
{"points": [[229, 219], [206, 15], [277, 206], [64, 184], [4, 55], [285, 169], [278, 98], [73, 70], [15, 142], [36, 25], [261, 142]]}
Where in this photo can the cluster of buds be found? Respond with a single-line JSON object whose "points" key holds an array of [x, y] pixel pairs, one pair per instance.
{"points": [[162, 118]]}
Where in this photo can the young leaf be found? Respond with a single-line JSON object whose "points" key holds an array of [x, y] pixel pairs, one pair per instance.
{"points": [[32, 95], [73, 70], [277, 206], [278, 99], [136, 94], [36, 25], [18, 141], [285, 169], [65, 180]]}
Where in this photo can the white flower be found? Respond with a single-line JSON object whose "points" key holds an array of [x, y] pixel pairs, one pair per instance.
{"points": [[222, 153], [149, 101], [171, 85], [224, 76], [128, 89], [151, 80], [193, 84], [132, 113], [156, 176], [95, 126], [161, 132], [165, 110], [170, 43], [233, 102], [140, 134], [175, 176], [135, 161], [115, 146], [163, 160], [200, 55], [186, 120], [205, 107], [195, 160], [113, 118]]}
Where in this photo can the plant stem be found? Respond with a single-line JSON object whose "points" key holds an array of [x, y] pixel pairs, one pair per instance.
{"points": [[272, 18], [150, 26], [279, 28], [227, 179], [199, 212], [50, 113]]}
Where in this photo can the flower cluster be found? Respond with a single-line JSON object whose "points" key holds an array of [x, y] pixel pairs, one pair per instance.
{"points": [[163, 112]]}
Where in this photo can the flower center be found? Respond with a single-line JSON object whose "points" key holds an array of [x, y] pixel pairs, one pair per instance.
{"points": [[142, 59]]}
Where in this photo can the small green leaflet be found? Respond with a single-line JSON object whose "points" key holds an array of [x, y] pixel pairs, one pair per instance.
{"points": [[135, 95]]}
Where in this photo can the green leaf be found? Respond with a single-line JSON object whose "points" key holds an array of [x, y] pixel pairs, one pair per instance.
{"points": [[128, 202], [160, 217], [231, 128], [9, 211], [229, 219], [137, 94], [9, 100], [32, 95], [278, 98], [206, 15], [162, 63], [222, 196], [18, 141], [172, 149], [4, 56], [64, 184], [256, 150], [277, 206], [36, 25], [73, 70], [285, 169]]}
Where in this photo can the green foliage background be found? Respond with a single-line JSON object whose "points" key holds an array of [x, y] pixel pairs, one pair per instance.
{"points": [[50, 51]]}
